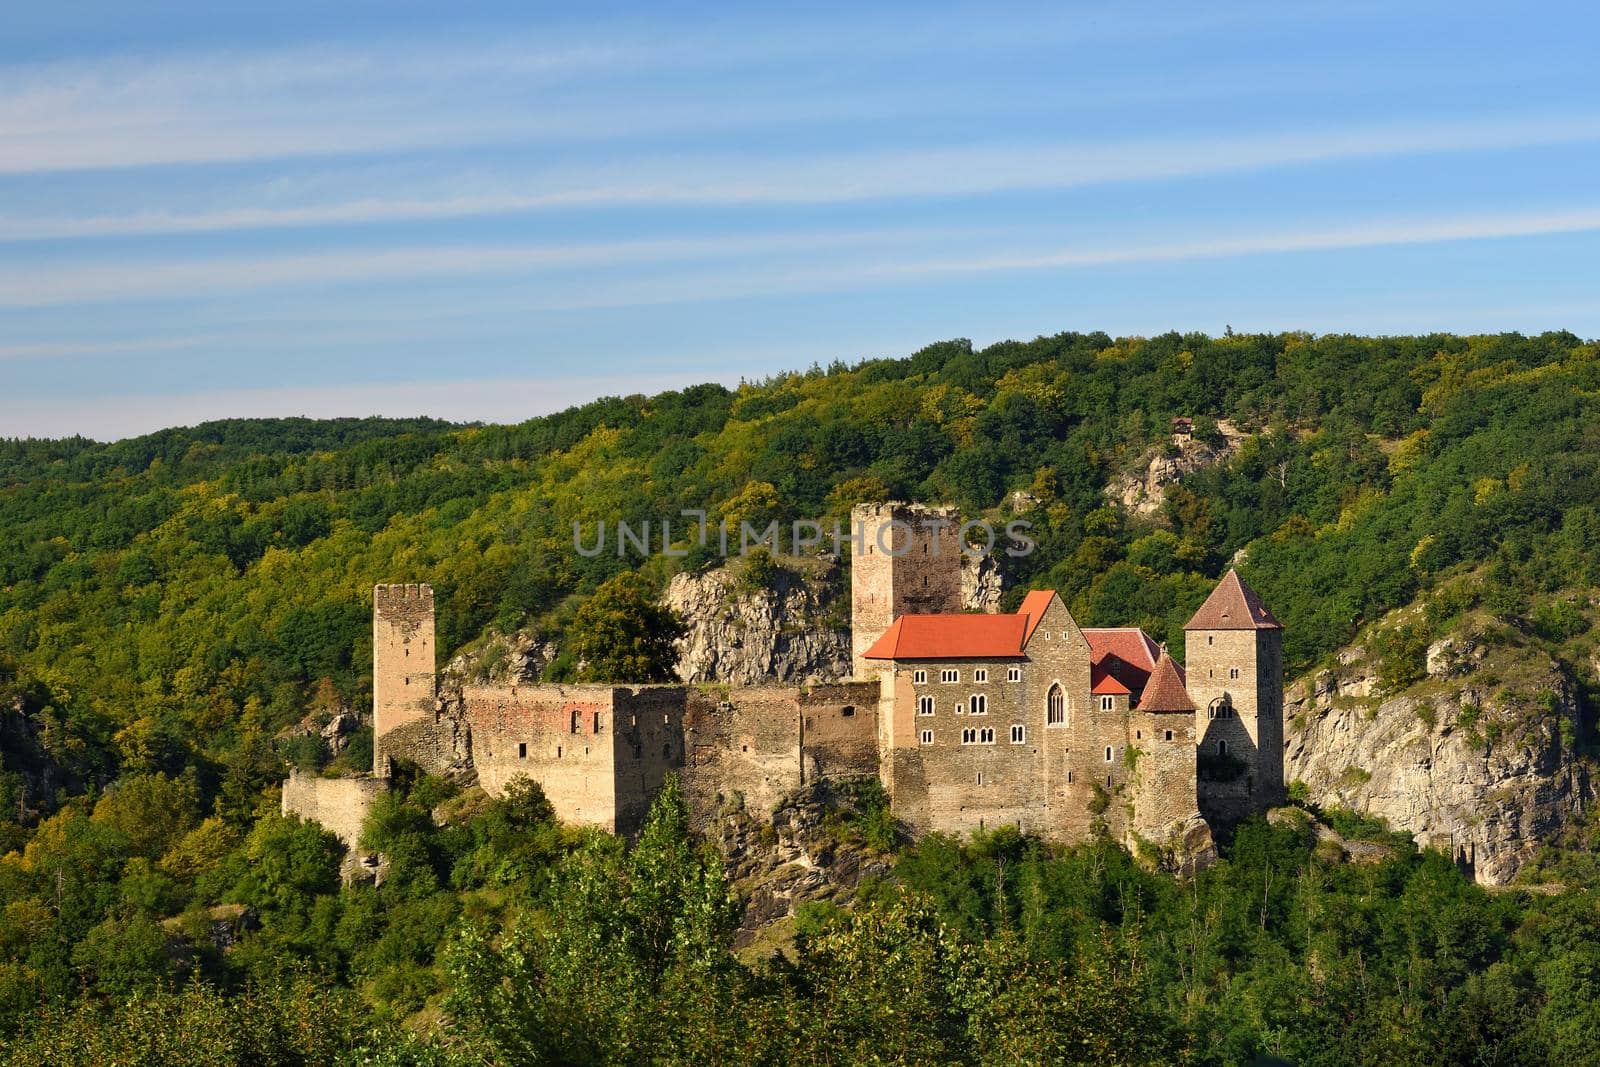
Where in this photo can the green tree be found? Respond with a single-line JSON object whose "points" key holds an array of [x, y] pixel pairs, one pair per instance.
{"points": [[621, 634]]}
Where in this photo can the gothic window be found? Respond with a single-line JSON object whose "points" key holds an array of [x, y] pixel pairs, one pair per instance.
{"points": [[1055, 705], [1222, 747], [1019, 734], [1013, 674], [969, 736], [919, 677], [986, 735], [924, 705], [1108, 703], [980, 704], [1233, 672], [980, 676], [949, 676], [927, 737]]}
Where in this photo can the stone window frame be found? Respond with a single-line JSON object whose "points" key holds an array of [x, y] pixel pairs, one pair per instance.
{"points": [[969, 735], [1019, 734], [927, 737], [1013, 674], [925, 704], [980, 675], [919, 677], [1108, 703], [1169, 735], [949, 675], [986, 735], [1066, 715], [1110, 754], [977, 704], [522, 750]]}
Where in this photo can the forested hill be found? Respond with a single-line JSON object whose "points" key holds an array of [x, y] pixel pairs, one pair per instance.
{"points": [[171, 606], [168, 595]]}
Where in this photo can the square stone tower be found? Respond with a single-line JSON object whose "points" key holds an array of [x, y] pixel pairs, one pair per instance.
{"points": [[908, 562], [402, 661], [1234, 651]]}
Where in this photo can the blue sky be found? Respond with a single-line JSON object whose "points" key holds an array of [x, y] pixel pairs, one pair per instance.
{"points": [[208, 211]]}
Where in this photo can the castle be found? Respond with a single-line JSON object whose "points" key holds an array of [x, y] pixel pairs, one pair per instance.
{"points": [[970, 721]]}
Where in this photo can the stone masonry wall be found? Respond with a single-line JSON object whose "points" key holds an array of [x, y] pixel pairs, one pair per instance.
{"points": [[403, 669], [339, 805]]}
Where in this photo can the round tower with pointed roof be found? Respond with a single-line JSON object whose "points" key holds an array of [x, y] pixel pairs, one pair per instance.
{"points": [[1234, 656]]}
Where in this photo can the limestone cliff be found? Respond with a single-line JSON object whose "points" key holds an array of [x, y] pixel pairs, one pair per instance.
{"points": [[1477, 757], [787, 624], [1140, 490]]}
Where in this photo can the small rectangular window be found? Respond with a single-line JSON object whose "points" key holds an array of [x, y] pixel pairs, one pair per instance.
{"points": [[1013, 674], [961, 709], [980, 675], [597, 722], [522, 750], [1019, 734], [919, 677], [980, 777], [1169, 735], [1069, 777], [1108, 753], [927, 737]]}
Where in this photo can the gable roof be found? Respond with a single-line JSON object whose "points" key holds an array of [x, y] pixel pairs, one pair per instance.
{"points": [[1233, 605], [1166, 689], [951, 637], [1130, 644], [1104, 683], [1034, 605]]}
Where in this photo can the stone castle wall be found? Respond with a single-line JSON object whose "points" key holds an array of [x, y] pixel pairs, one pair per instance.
{"points": [[339, 805], [1241, 669]]}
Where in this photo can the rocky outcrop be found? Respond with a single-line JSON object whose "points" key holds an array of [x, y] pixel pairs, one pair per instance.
{"points": [[805, 853], [788, 629], [1141, 490], [1478, 758], [983, 582]]}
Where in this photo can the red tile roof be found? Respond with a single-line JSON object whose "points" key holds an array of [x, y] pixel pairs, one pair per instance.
{"points": [[951, 637], [1105, 683], [1233, 605], [1166, 689], [1128, 643]]}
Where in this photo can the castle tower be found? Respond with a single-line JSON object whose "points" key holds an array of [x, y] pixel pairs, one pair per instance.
{"points": [[1234, 656], [907, 562], [402, 661]]}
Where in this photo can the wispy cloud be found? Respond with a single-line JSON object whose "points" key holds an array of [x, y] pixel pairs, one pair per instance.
{"points": [[770, 263], [951, 172]]}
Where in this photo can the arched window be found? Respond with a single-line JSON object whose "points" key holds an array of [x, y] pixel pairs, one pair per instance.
{"points": [[1222, 747], [1055, 707]]}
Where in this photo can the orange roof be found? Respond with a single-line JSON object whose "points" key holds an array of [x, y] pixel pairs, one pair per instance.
{"points": [[1166, 689], [1034, 605], [951, 637], [1233, 605], [1106, 684]]}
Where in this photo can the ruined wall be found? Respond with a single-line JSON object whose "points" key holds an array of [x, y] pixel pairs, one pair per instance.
{"points": [[402, 671], [339, 805], [562, 737], [754, 746], [921, 573]]}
